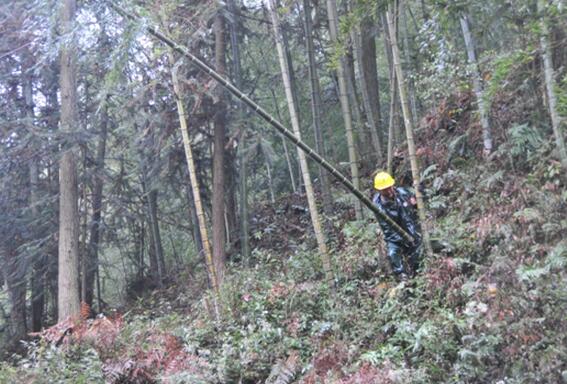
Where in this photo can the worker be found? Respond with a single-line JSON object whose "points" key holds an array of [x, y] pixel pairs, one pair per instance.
{"points": [[399, 204]]}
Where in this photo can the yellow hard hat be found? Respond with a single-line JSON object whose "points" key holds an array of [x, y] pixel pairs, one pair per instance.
{"points": [[383, 180]]}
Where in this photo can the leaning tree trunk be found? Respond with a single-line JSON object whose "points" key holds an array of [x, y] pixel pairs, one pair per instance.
{"points": [[477, 85], [219, 156], [550, 85], [409, 128], [200, 213], [345, 105], [316, 105], [68, 279], [302, 159]]}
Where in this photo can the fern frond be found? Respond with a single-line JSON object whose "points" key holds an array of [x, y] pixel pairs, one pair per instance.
{"points": [[283, 372]]}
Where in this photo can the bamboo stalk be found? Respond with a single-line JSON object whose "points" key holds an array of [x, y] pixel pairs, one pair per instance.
{"points": [[409, 128], [195, 185]]}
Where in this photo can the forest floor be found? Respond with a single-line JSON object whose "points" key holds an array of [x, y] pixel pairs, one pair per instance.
{"points": [[489, 306]]}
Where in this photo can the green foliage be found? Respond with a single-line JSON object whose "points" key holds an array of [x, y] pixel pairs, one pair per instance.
{"points": [[47, 364], [556, 260], [503, 68]]}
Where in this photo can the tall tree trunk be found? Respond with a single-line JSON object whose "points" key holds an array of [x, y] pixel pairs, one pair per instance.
{"points": [[219, 155], [550, 85], [345, 105], [234, 27], [91, 261], [409, 128], [392, 119], [393, 133], [38, 263], [200, 213], [407, 56], [477, 84], [316, 105], [68, 270], [365, 49], [302, 159], [38, 267]]}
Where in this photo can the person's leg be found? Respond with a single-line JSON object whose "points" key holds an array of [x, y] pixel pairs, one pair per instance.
{"points": [[414, 258], [395, 256]]}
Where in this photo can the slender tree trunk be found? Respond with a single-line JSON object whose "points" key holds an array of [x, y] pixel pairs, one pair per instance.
{"points": [[550, 85], [270, 183], [284, 143], [234, 28], [68, 279], [316, 107], [219, 156], [91, 262], [365, 48], [477, 84], [409, 128], [15, 277], [345, 105], [38, 267], [407, 57], [194, 221], [157, 248], [393, 134], [392, 119], [200, 213], [302, 159]]}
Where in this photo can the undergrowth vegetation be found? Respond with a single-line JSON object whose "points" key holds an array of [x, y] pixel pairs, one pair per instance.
{"points": [[488, 307]]}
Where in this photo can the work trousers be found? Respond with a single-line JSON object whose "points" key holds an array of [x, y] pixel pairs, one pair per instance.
{"points": [[397, 250]]}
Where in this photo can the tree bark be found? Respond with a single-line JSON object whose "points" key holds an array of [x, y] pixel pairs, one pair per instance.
{"points": [[409, 129], [313, 210], [219, 239], [477, 84], [345, 105], [68, 279], [549, 74], [316, 107]]}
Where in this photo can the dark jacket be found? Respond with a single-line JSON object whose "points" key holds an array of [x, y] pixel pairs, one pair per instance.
{"points": [[402, 212]]}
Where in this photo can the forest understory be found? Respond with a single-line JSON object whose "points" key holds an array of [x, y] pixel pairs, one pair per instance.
{"points": [[186, 191], [488, 307]]}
